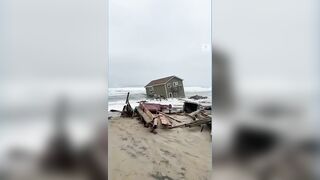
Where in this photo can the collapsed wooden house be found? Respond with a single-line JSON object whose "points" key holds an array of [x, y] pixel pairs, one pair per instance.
{"points": [[168, 87], [154, 115], [159, 118]]}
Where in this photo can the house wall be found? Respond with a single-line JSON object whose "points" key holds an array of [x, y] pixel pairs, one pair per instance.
{"points": [[156, 90], [160, 90], [165, 89], [149, 91], [177, 91]]}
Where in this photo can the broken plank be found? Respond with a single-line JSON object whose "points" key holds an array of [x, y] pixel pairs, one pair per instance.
{"points": [[164, 120], [198, 122], [144, 116], [193, 114], [194, 123], [170, 117]]}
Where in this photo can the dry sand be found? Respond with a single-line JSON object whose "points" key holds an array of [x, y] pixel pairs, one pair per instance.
{"points": [[137, 154]]}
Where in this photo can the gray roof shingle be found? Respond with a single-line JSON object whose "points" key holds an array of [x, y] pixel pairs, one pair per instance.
{"points": [[160, 81]]}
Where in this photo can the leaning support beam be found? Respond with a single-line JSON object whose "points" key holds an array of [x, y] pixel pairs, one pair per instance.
{"points": [[144, 116]]}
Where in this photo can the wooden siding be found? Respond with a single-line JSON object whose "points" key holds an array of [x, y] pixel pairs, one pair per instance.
{"points": [[176, 90], [173, 87]]}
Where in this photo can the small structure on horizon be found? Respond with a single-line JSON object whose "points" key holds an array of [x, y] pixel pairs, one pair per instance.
{"points": [[168, 87]]}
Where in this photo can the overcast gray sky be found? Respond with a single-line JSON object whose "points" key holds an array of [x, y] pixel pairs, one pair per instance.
{"points": [[271, 41], [154, 39], [54, 39], [272, 44]]}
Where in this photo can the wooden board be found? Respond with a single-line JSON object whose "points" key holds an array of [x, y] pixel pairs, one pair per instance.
{"points": [[146, 111], [164, 120], [145, 117], [170, 117]]}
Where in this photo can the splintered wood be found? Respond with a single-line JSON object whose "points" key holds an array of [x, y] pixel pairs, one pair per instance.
{"points": [[161, 119], [144, 116], [164, 121], [150, 118]]}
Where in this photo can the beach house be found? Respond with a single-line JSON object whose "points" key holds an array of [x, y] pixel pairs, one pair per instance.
{"points": [[168, 87]]}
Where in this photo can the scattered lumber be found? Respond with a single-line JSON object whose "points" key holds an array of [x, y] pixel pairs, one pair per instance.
{"points": [[146, 111], [193, 115], [144, 116], [170, 117], [164, 121], [199, 117], [199, 122], [195, 123], [148, 117], [199, 114]]}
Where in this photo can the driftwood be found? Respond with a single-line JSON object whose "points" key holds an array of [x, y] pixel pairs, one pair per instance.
{"points": [[114, 110], [127, 110]]}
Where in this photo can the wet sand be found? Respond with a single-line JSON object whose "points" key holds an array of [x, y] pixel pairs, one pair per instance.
{"points": [[137, 154]]}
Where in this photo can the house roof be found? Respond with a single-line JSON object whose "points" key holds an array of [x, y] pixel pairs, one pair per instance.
{"points": [[161, 81]]}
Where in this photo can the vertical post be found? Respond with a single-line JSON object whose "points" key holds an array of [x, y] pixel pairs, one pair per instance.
{"points": [[127, 100]]}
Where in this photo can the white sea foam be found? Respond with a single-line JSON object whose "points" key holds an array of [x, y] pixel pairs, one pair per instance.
{"points": [[141, 90], [117, 97], [197, 89], [125, 90]]}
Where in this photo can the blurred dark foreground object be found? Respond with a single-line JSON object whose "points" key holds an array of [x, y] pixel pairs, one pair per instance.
{"points": [[250, 143], [222, 95], [262, 135], [60, 157]]}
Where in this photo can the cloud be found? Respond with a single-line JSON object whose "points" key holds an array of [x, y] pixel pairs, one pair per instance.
{"points": [[152, 39]]}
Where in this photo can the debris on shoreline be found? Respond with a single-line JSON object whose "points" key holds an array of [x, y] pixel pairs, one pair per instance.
{"points": [[154, 115], [127, 110], [197, 97]]}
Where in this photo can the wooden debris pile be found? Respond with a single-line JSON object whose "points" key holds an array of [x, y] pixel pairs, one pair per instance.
{"points": [[157, 115], [159, 118], [200, 118], [150, 119]]}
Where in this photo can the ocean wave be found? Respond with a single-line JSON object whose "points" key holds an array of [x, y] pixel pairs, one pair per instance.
{"points": [[141, 90]]}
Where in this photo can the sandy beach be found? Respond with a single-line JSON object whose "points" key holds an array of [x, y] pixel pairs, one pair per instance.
{"points": [[137, 154]]}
